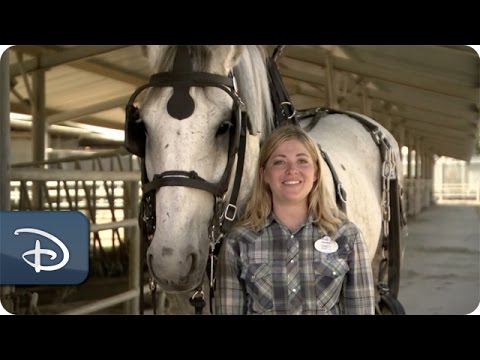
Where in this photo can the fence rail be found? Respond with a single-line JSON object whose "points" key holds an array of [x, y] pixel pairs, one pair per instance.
{"points": [[457, 191], [105, 187]]}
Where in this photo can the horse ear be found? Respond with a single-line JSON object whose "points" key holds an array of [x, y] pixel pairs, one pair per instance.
{"points": [[155, 55], [144, 49], [231, 54], [151, 52]]}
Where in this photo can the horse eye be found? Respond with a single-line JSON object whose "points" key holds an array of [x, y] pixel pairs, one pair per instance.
{"points": [[224, 127]]}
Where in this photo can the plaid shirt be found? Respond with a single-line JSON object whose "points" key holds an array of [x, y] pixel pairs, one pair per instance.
{"points": [[276, 271]]}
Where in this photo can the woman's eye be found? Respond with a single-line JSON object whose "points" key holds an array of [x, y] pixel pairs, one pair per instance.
{"points": [[224, 127], [278, 162]]}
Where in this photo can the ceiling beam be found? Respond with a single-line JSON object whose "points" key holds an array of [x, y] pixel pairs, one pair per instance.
{"points": [[427, 100], [430, 60], [88, 110], [433, 129], [405, 77], [112, 72], [90, 120], [309, 74], [59, 58], [441, 135], [436, 119], [93, 66], [420, 115]]}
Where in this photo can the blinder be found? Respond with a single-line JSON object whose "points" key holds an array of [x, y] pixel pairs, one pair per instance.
{"points": [[135, 131]]}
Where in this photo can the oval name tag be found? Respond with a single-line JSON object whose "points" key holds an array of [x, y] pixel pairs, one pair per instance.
{"points": [[326, 245]]}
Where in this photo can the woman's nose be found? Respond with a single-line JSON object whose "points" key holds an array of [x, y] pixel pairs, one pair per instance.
{"points": [[291, 168]]}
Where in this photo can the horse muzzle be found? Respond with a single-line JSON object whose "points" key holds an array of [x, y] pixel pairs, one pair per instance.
{"points": [[175, 271]]}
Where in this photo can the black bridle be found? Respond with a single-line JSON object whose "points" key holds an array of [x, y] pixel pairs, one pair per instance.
{"points": [[181, 106]]}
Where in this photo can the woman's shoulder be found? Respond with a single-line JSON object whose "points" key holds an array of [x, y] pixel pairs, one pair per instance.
{"points": [[242, 233], [348, 228], [347, 234]]}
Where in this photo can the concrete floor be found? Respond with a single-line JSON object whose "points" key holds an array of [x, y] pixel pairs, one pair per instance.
{"points": [[441, 267]]}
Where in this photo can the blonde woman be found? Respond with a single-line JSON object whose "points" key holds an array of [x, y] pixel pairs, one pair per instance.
{"points": [[293, 252]]}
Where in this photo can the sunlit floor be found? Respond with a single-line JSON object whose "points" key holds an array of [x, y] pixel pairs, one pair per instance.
{"points": [[441, 267]]}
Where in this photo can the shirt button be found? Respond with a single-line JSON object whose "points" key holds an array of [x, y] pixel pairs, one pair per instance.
{"points": [[294, 290], [334, 273], [292, 261], [291, 236], [253, 277]]}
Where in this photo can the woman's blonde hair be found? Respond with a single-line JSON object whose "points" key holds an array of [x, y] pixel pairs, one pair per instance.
{"points": [[325, 213]]}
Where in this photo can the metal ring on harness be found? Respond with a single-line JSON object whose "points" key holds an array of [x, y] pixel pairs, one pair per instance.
{"points": [[197, 294], [290, 104]]}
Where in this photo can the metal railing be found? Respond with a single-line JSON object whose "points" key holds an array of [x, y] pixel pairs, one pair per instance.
{"points": [[469, 192], [105, 187]]}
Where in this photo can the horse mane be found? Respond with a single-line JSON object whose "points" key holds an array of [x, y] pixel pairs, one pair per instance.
{"points": [[250, 73], [253, 87]]}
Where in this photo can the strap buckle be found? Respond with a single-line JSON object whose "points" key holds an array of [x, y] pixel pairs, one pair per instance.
{"points": [[227, 210]]}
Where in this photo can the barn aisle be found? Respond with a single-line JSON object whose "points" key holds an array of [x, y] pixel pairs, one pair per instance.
{"points": [[441, 269]]}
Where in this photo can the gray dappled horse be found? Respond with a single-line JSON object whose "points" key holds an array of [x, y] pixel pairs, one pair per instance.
{"points": [[188, 136]]}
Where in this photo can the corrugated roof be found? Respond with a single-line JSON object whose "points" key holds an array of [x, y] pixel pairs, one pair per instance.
{"points": [[431, 91]]}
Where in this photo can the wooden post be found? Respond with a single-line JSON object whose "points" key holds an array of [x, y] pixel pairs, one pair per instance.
{"points": [[39, 132], [6, 290], [329, 73]]}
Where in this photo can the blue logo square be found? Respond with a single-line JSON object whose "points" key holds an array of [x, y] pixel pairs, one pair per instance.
{"points": [[43, 247]]}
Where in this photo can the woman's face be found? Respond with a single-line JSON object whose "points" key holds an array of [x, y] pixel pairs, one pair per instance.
{"points": [[290, 173]]}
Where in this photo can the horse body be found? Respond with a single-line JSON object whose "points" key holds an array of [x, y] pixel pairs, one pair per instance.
{"points": [[356, 158], [177, 255], [357, 161]]}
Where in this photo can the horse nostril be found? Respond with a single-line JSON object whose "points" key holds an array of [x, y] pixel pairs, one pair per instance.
{"points": [[192, 258]]}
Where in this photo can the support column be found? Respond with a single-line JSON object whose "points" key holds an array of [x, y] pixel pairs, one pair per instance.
{"points": [[39, 131], [410, 176], [329, 74], [6, 303], [426, 183], [418, 175], [132, 234], [401, 134], [431, 165], [417, 146], [387, 123], [366, 101], [409, 156], [439, 172]]}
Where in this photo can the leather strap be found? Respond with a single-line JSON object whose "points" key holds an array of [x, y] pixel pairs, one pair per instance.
{"points": [[340, 193], [284, 112]]}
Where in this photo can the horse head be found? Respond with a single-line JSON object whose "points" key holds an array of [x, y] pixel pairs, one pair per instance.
{"points": [[190, 121]]}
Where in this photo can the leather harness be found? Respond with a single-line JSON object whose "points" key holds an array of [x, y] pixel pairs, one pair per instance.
{"points": [[181, 106]]}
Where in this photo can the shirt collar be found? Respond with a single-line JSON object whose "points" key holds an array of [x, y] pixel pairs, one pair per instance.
{"points": [[271, 218]]}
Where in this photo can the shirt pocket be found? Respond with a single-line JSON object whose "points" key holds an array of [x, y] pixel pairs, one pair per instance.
{"points": [[259, 284], [330, 270]]}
